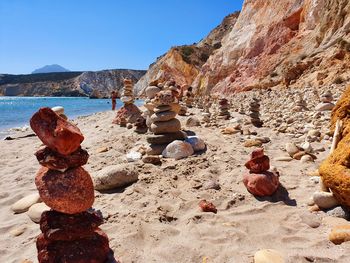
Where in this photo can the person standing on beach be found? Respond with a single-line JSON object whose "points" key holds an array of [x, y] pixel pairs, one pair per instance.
{"points": [[114, 97]]}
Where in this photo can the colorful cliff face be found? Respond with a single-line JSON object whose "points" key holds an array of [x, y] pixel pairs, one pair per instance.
{"points": [[295, 43]]}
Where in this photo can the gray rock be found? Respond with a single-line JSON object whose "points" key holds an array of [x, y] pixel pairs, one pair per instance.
{"points": [[340, 212], [171, 126], [310, 219], [151, 91], [325, 200], [166, 138], [196, 143], [324, 106], [115, 176], [178, 150]]}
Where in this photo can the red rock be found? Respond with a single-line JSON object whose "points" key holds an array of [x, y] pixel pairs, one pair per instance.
{"points": [[207, 206], [129, 113], [58, 226], [94, 249], [55, 161], [69, 192], [55, 132], [262, 184], [259, 162]]}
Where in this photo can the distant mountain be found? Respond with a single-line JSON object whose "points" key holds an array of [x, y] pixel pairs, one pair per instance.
{"points": [[50, 69]]}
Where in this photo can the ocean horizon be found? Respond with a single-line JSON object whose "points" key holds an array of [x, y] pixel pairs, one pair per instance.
{"points": [[15, 112]]}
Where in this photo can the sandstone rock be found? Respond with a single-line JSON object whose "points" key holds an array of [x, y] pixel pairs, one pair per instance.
{"points": [[58, 226], [230, 130], [171, 126], [252, 143], [156, 149], [115, 176], [340, 234], [36, 210], [69, 192], [196, 143], [299, 155], [193, 122], [25, 203], [55, 132], [151, 91], [207, 206], [152, 159], [17, 231], [90, 249], [306, 159], [163, 116], [325, 200], [178, 150], [324, 106], [291, 148], [166, 138], [268, 256], [55, 161], [162, 108], [264, 184]]}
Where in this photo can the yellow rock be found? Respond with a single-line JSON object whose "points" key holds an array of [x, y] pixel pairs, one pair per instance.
{"points": [[268, 256], [340, 234], [252, 143]]}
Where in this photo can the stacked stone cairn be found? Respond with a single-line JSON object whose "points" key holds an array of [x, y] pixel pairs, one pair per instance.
{"points": [[259, 181], [326, 103], [300, 104], [129, 113], [70, 230], [151, 91], [223, 109], [164, 125], [254, 108], [189, 98]]}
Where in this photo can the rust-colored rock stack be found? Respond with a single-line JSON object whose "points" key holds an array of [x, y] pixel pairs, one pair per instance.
{"points": [[260, 181], [223, 109], [129, 113], [254, 108], [70, 230]]}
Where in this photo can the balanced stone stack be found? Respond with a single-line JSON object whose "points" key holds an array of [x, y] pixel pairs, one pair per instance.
{"points": [[254, 108], [326, 102], [129, 113], [189, 98], [223, 109], [151, 91], [164, 125], [300, 104], [70, 230]]}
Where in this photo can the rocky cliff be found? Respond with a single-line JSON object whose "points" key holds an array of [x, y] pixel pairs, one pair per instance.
{"points": [[293, 43], [98, 84], [183, 63]]}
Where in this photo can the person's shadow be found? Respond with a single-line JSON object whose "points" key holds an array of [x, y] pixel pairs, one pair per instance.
{"points": [[280, 195]]}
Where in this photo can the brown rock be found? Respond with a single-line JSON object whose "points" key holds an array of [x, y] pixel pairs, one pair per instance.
{"points": [[152, 159], [340, 234], [207, 206], [163, 116], [69, 192], [155, 149], [262, 184], [166, 138], [129, 113], [259, 162], [55, 132], [171, 126], [55, 161], [92, 249], [252, 143], [58, 226]]}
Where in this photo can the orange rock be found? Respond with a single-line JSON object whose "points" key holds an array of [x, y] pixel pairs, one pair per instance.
{"points": [[259, 162], [262, 184], [340, 234], [55, 132], [207, 206], [69, 192]]}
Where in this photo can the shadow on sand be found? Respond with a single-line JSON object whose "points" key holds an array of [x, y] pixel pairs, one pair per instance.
{"points": [[280, 195]]}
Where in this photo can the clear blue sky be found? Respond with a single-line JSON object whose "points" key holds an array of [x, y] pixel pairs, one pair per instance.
{"points": [[101, 34]]}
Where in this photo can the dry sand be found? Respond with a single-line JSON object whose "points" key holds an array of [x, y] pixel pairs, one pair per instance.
{"points": [[158, 219]]}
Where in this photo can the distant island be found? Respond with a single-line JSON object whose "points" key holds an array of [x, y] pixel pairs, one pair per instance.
{"points": [[67, 84], [50, 69]]}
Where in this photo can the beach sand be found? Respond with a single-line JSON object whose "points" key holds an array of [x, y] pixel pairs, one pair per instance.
{"points": [[157, 219]]}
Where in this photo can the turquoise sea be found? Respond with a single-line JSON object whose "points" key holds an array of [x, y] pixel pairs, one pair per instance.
{"points": [[16, 111]]}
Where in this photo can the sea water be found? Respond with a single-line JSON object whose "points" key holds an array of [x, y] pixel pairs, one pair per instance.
{"points": [[16, 111]]}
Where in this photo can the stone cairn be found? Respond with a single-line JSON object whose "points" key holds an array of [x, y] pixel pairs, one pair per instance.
{"points": [[164, 125], [223, 109], [300, 104], [129, 113], [259, 181], [189, 97], [70, 230], [326, 103], [254, 108]]}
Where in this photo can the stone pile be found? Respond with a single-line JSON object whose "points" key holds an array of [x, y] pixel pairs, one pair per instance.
{"points": [[164, 125], [300, 104], [254, 108], [129, 113], [189, 98], [70, 230], [326, 102], [259, 181], [140, 125], [223, 109]]}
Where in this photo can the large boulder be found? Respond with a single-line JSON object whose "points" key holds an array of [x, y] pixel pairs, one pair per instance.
{"points": [[115, 176]]}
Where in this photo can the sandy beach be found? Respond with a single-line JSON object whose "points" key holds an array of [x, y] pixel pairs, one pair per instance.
{"points": [[157, 219]]}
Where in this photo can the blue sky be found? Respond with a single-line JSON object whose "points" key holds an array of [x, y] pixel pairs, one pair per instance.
{"points": [[101, 34]]}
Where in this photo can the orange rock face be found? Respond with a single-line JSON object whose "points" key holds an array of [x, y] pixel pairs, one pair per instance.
{"points": [[55, 132], [69, 192], [335, 170]]}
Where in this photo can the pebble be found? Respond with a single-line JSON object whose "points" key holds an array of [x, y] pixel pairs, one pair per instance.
{"points": [[18, 230], [291, 148], [252, 143], [325, 200], [213, 184], [152, 159], [283, 159], [307, 147], [25, 203], [133, 156], [306, 159], [311, 220], [196, 143], [36, 210], [340, 234], [102, 150], [268, 256], [193, 122]]}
